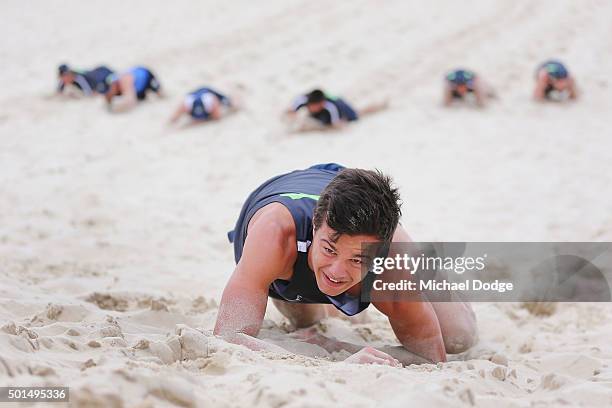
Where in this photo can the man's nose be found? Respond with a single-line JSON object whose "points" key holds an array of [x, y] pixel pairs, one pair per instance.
{"points": [[337, 268]]}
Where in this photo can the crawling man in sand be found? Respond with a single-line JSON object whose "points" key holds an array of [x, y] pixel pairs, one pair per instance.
{"points": [[298, 240], [464, 85], [554, 83], [329, 112], [87, 82], [204, 104]]}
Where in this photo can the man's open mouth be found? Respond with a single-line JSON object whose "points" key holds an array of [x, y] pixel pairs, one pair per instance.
{"points": [[333, 281]]}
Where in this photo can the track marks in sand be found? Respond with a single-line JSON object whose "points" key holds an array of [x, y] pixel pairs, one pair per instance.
{"points": [[129, 301], [122, 302], [57, 312]]}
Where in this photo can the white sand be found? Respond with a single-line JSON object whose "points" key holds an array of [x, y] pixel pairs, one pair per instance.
{"points": [[112, 228]]}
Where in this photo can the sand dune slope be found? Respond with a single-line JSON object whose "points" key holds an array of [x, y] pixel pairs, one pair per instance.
{"points": [[113, 252]]}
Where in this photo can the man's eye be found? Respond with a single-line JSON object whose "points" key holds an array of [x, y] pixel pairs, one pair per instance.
{"points": [[357, 261], [328, 250]]}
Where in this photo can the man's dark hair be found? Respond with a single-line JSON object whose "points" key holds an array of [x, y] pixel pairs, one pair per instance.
{"points": [[359, 202], [315, 96], [63, 69]]}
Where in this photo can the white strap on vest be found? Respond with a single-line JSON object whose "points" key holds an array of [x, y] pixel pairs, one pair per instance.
{"points": [[302, 246]]}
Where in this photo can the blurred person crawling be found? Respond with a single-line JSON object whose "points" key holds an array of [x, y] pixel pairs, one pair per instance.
{"points": [[554, 83], [204, 104], [327, 111], [298, 240], [464, 85], [86, 82], [132, 85]]}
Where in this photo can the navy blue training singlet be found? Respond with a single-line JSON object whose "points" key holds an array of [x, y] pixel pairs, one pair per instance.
{"points": [[299, 192]]}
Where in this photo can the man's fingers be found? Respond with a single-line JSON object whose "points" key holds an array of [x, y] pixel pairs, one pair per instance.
{"points": [[370, 359], [369, 355], [377, 360], [375, 352], [380, 354]]}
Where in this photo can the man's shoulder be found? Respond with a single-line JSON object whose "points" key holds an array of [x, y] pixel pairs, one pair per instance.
{"points": [[271, 234], [275, 221]]}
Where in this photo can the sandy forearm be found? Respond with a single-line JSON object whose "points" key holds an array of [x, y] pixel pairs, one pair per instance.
{"points": [[398, 352], [539, 92], [332, 345], [122, 105], [253, 343], [404, 356]]}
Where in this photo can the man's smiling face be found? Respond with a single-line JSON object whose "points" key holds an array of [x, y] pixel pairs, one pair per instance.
{"points": [[337, 261]]}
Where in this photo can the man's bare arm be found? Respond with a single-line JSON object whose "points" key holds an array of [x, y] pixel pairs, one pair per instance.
{"points": [[447, 99], [573, 91], [412, 317], [479, 92], [266, 255], [416, 327], [542, 82], [242, 308], [128, 95], [215, 111], [180, 110]]}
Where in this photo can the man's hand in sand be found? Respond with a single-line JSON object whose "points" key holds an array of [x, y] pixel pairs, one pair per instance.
{"points": [[123, 86], [369, 355], [360, 355]]}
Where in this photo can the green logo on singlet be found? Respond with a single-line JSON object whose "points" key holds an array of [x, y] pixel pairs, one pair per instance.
{"points": [[298, 196]]}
